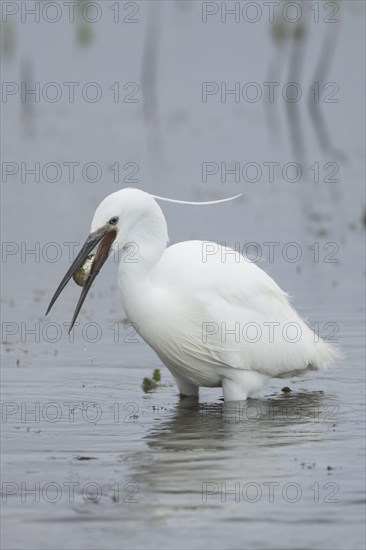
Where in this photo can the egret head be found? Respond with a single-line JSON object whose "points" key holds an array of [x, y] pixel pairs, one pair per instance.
{"points": [[126, 214], [119, 219]]}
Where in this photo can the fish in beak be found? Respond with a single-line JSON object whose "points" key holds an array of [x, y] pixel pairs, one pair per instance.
{"points": [[105, 238]]}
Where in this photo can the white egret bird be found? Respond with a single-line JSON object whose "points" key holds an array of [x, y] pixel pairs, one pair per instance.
{"points": [[214, 319]]}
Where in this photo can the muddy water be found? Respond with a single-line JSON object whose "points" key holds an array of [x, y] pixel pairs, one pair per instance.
{"points": [[88, 459]]}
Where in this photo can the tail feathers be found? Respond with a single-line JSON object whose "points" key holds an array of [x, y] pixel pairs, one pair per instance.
{"points": [[325, 354]]}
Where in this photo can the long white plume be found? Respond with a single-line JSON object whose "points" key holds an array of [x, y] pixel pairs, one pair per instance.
{"points": [[203, 203]]}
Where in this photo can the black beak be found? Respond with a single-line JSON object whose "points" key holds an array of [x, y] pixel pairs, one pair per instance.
{"points": [[105, 236]]}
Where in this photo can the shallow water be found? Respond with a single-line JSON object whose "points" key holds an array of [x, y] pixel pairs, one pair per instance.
{"points": [[247, 473], [118, 468]]}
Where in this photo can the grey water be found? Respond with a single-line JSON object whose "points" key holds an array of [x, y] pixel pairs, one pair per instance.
{"points": [[88, 459]]}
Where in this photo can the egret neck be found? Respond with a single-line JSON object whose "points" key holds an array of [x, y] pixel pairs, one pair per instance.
{"points": [[147, 241]]}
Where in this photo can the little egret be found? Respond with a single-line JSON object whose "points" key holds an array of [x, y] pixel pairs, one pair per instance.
{"points": [[215, 319]]}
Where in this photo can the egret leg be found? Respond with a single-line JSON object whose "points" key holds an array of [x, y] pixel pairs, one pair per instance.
{"points": [[243, 385], [233, 391], [186, 389]]}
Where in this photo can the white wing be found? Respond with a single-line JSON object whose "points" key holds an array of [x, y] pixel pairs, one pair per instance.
{"points": [[230, 313]]}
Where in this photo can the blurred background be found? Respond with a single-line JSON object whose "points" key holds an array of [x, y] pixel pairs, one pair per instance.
{"points": [[189, 100]]}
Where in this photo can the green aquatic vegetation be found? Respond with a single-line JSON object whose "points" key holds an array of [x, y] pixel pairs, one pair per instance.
{"points": [[149, 384], [156, 375]]}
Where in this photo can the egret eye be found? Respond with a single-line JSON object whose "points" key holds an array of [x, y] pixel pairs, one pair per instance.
{"points": [[113, 221]]}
